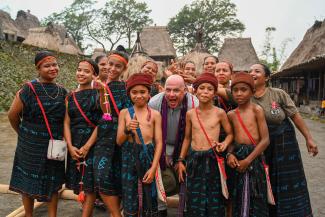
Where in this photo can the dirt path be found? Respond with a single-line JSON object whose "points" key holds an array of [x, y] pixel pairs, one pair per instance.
{"points": [[314, 169]]}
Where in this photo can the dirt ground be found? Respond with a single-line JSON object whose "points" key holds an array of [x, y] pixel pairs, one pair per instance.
{"points": [[314, 169]]}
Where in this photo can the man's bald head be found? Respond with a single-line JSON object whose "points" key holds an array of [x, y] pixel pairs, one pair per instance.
{"points": [[174, 90], [175, 80]]}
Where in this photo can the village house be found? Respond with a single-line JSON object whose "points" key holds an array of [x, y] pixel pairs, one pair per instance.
{"points": [[240, 52], [303, 73]]}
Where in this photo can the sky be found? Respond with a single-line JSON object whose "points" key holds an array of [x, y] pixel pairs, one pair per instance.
{"points": [[291, 18]]}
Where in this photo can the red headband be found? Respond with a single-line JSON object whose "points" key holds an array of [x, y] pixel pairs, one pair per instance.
{"points": [[120, 58], [46, 59]]}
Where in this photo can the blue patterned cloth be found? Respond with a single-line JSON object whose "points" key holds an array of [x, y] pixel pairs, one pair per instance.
{"points": [[33, 174]]}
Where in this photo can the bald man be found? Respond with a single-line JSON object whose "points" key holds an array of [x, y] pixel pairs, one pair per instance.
{"points": [[173, 104]]}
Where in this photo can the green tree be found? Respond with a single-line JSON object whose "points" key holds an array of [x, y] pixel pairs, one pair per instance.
{"points": [[124, 18], [75, 18], [270, 55], [217, 19]]}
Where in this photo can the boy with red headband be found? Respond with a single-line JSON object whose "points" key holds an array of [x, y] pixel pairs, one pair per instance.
{"points": [[139, 133], [204, 173], [251, 139]]}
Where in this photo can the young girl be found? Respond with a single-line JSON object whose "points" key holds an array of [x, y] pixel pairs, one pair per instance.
{"points": [[33, 175], [82, 114], [102, 62], [107, 155]]}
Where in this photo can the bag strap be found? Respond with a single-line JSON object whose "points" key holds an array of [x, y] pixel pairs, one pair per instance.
{"points": [[112, 99], [81, 111], [244, 127], [42, 109], [219, 159]]}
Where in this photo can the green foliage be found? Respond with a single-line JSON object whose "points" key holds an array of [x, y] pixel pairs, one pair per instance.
{"points": [[217, 19], [17, 67], [271, 56]]}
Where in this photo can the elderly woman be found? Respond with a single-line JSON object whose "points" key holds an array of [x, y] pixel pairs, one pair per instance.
{"points": [[287, 175]]}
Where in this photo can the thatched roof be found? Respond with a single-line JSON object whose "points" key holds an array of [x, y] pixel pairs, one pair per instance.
{"points": [[310, 53], [156, 42], [8, 25], [98, 52], [240, 52], [24, 21], [52, 37], [197, 54]]}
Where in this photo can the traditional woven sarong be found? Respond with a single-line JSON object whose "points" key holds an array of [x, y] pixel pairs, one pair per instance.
{"points": [[132, 175], [33, 174], [250, 189], [287, 175], [107, 154], [80, 133], [204, 194]]}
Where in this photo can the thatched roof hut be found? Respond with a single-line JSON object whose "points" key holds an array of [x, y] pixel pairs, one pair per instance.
{"points": [[53, 37], [25, 21], [240, 52], [310, 53], [156, 42], [98, 52], [8, 26], [137, 58], [197, 54]]}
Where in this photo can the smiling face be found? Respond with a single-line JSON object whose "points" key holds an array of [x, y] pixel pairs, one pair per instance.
{"points": [[150, 68], [242, 93], [209, 65], [174, 90], [259, 76], [139, 95], [205, 92], [84, 74], [103, 68], [223, 73], [189, 69], [115, 68], [48, 70]]}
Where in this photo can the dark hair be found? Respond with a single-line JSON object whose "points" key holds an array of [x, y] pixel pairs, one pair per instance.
{"points": [[98, 58], [120, 53], [214, 57], [41, 55], [266, 69], [93, 64]]}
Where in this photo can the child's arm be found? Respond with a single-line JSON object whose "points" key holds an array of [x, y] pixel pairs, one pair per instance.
{"points": [[185, 146], [263, 143], [13, 114], [232, 160], [150, 174], [121, 136], [91, 141], [228, 129], [74, 152]]}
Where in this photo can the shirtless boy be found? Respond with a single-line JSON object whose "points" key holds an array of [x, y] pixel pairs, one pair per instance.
{"points": [[203, 177]]}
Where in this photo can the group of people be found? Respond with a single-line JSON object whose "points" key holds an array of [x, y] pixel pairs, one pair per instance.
{"points": [[226, 137]]}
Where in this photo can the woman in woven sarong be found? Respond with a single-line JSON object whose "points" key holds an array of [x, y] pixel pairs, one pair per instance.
{"points": [[287, 175], [82, 114], [33, 175], [107, 155]]}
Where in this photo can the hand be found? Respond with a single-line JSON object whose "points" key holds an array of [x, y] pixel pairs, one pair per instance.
{"points": [[188, 78], [311, 147], [243, 164], [134, 124], [75, 153], [149, 176], [181, 169], [220, 146], [84, 151], [98, 84], [232, 161]]}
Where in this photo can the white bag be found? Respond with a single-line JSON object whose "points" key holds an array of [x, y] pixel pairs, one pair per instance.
{"points": [[57, 150], [160, 186]]}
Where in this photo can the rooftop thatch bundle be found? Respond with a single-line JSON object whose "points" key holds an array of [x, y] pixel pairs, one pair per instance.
{"points": [[25, 21], [98, 52], [309, 54], [52, 37], [240, 52], [197, 54], [8, 25], [156, 42]]}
